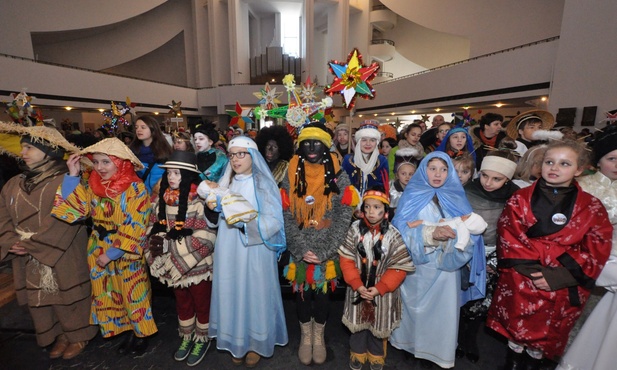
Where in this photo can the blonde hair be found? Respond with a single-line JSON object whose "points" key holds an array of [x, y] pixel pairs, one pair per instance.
{"points": [[581, 150], [531, 157]]}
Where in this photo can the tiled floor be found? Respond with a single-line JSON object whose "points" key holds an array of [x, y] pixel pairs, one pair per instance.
{"points": [[18, 348]]}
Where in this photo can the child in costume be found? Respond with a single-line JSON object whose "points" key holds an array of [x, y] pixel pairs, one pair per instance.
{"points": [[119, 204], [405, 165], [179, 252], [456, 143], [594, 345], [210, 160], [315, 223], [374, 261], [277, 147], [48, 256], [152, 149], [432, 296], [366, 167], [183, 141], [411, 141], [487, 195], [342, 144], [246, 311], [553, 241]]}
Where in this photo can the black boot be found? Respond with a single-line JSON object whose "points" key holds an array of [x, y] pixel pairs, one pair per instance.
{"points": [[127, 343], [140, 345], [472, 352], [532, 363], [515, 361]]}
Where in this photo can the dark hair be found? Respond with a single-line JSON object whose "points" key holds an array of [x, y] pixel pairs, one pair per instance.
{"points": [[281, 136], [160, 146], [488, 118], [390, 141], [188, 178], [186, 137], [408, 128]]}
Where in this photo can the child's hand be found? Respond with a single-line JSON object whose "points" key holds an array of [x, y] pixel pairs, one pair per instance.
{"points": [[540, 282], [370, 293], [416, 223], [18, 250], [102, 260], [73, 164], [443, 233], [211, 184], [311, 257]]}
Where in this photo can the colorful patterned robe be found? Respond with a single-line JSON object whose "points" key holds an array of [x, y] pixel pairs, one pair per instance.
{"points": [[121, 290], [530, 316]]}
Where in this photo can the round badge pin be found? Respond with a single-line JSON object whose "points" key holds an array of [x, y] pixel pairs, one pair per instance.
{"points": [[310, 200], [559, 219]]}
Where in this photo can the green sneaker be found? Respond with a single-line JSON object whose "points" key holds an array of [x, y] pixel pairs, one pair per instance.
{"points": [[184, 350], [198, 353]]}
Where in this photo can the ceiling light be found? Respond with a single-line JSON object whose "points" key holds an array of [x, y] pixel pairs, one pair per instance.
{"points": [[68, 108], [387, 119], [392, 113], [360, 115], [543, 98], [466, 107], [101, 110], [437, 109], [413, 112], [499, 105], [156, 113], [375, 114]]}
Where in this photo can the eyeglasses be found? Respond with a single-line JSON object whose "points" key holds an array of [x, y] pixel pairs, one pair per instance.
{"points": [[239, 155]]}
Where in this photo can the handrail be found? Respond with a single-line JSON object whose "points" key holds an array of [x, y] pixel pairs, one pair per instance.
{"points": [[550, 39], [385, 74], [382, 41], [380, 7]]}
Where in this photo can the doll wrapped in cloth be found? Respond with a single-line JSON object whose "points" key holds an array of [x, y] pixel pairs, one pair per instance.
{"points": [[464, 226], [232, 205]]}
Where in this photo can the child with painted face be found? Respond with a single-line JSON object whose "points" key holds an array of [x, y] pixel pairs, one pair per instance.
{"points": [[487, 195], [554, 239], [456, 143], [374, 261], [246, 311], [366, 167], [179, 252], [315, 225], [210, 161]]}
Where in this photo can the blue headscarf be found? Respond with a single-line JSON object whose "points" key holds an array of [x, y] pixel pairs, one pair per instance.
{"points": [[269, 206], [444, 142], [453, 201]]}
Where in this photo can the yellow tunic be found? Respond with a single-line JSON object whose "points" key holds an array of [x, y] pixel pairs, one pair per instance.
{"points": [[120, 291]]}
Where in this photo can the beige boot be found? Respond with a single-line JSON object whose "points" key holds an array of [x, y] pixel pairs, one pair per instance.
{"points": [[319, 343], [305, 352]]}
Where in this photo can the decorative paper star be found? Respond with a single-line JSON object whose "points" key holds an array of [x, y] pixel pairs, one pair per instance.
{"points": [[307, 91], [352, 79], [240, 116], [268, 98], [175, 108], [425, 118]]}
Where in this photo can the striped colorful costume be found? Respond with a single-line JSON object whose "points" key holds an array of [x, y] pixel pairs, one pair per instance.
{"points": [[121, 290]]}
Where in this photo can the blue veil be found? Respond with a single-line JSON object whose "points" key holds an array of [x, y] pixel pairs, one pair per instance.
{"points": [[444, 142], [269, 206], [451, 195]]}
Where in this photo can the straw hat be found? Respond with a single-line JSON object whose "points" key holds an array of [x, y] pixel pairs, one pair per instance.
{"points": [[548, 120], [112, 146], [42, 135]]}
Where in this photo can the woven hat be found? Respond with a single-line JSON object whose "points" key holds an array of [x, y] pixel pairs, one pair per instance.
{"points": [[548, 120], [39, 136], [182, 160], [112, 146]]}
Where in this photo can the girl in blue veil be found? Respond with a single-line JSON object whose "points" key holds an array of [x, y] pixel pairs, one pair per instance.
{"points": [[433, 294]]}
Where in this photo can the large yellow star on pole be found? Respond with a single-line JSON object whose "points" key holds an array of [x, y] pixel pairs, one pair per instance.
{"points": [[352, 79]]}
